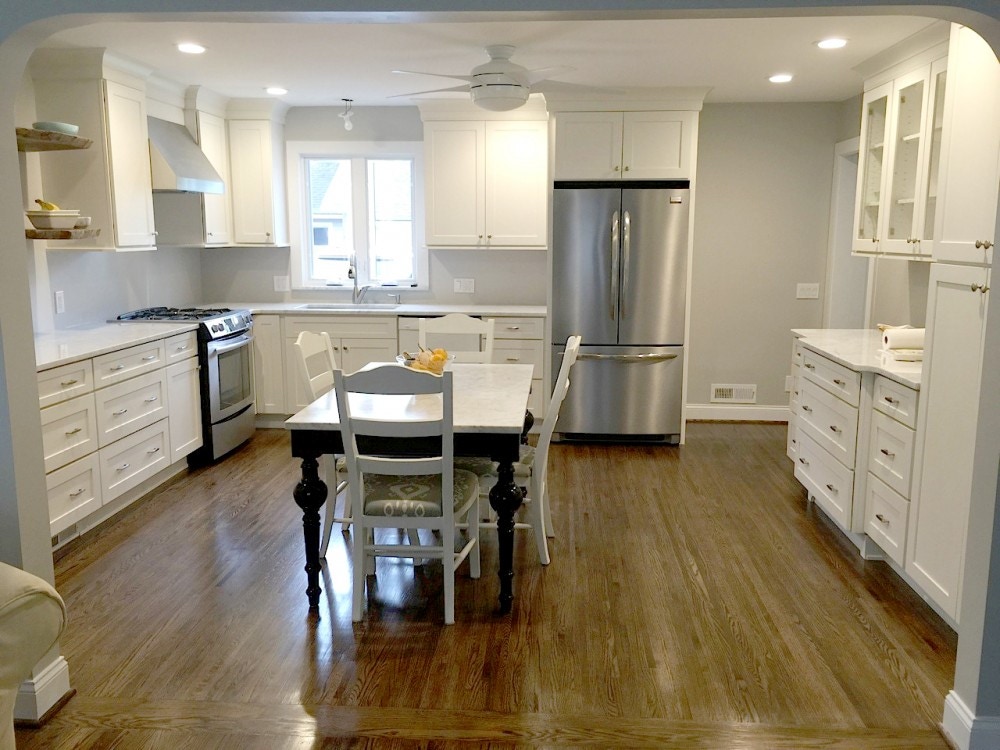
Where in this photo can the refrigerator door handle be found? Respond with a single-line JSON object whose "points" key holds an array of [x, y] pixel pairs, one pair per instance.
{"points": [[626, 243], [630, 357], [614, 264]]}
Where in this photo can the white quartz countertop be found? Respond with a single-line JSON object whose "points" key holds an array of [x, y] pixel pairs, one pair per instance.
{"points": [[73, 344], [861, 350], [299, 308]]}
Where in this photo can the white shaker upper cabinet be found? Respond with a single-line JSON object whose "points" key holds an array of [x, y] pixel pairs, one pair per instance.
{"points": [[131, 180], [258, 195], [213, 142], [625, 145], [970, 168]]}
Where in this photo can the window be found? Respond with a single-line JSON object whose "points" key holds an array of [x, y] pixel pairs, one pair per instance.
{"points": [[356, 203]]}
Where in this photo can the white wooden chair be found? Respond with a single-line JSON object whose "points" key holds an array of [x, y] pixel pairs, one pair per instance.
{"points": [[532, 467], [456, 324], [316, 364], [428, 492]]}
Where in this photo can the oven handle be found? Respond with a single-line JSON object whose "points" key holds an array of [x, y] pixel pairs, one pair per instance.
{"points": [[215, 349]]}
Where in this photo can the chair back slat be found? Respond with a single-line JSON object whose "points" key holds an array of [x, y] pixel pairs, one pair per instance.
{"points": [[457, 324], [315, 362], [559, 392], [400, 466]]}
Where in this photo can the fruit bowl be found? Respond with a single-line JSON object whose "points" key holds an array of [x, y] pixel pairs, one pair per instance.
{"points": [[53, 219], [435, 363]]}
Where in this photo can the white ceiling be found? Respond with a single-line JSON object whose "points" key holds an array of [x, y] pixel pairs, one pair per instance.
{"points": [[322, 63]]}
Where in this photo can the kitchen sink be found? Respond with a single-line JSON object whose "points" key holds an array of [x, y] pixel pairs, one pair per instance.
{"points": [[349, 306]]}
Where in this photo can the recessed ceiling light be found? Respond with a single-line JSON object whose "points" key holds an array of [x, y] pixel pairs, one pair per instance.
{"points": [[190, 48], [831, 43], [780, 78], [276, 91]]}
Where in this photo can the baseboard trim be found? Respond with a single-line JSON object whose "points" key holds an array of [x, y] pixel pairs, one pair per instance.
{"points": [[966, 730], [38, 696], [735, 413]]}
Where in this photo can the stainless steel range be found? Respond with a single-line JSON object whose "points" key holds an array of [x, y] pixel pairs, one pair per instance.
{"points": [[224, 340]]}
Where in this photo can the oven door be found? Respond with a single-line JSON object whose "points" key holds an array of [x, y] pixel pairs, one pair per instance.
{"points": [[230, 384]]}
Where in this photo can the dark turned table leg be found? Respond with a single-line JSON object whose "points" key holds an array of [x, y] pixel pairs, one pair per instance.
{"points": [[505, 498], [310, 494]]}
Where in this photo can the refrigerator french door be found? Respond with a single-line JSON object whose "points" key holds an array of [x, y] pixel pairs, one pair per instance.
{"points": [[619, 278]]}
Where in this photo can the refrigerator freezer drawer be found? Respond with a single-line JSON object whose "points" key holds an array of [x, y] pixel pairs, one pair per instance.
{"points": [[628, 393]]}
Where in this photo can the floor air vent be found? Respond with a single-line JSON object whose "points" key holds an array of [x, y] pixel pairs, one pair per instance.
{"points": [[727, 393]]}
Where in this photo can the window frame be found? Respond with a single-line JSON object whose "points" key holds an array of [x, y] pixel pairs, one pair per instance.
{"points": [[298, 152]]}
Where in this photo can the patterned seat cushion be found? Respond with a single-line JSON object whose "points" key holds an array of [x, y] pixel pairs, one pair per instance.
{"points": [[416, 496], [484, 467]]}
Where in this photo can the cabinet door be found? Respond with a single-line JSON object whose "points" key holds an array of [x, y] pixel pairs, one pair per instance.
{"points": [[455, 172], [517, 184], [588, 146], [131, 180], [970, 167], [269, 378], [252, 172], [946, 431], [356, 353], [655, 145], [212, 138], [871, 170], [932, 179], [184, 400]]}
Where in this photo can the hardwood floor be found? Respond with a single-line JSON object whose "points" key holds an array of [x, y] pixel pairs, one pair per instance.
{"points": [[694, 600]]}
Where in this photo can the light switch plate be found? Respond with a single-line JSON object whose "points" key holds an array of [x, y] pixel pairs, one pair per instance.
{"points": [[807, 291], [60, 302], [281, 284]]}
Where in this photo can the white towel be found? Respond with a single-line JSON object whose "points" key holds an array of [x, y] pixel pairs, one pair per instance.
{"points": [[904, 355], [903, 338]]}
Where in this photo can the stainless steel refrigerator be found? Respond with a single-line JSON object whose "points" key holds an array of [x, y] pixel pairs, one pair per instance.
{"points": [[619, 277]]}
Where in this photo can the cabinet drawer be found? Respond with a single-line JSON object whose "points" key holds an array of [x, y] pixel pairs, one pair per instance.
{"points": [[896, 400], [890, 452], [830, 483], [356, 326], [126, 407], [835, 378], [127, 363], [792, 441], [519, 328], [519, 353], [65, 382], [181, 346], [133, 459], [885, 518], [74, 491], [829, 421], [69, 431]]}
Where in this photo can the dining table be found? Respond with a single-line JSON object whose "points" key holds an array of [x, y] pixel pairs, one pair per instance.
{"points": [[489, 403]]}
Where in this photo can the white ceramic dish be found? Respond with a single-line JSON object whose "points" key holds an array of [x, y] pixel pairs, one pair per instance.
{"points": [[52, 222], [57, 212], [56, 127]]}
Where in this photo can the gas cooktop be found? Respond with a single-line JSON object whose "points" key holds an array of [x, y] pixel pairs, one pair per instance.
{"points": [[217, 322]]}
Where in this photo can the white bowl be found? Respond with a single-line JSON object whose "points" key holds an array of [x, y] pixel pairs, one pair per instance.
{"points": [[57, 212], [51, 221], [56, 127]]}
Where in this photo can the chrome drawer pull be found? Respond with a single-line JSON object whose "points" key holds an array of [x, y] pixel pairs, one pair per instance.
{"points": [[890, 399], [806, 407], [74, 431], [885, 452], [116, 368], [151, 451], [836, 429], [838, 381], [181, 348], [832, 488], [122, 467], [150, 358], [809, 366], [881, 519], [151, 399], [803, 461], [119, 412], [513, 359], [513, 328], [68, 383], [77, 493]]}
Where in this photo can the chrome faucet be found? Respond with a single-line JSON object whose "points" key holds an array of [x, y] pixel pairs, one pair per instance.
{"points": [[359, 292]]}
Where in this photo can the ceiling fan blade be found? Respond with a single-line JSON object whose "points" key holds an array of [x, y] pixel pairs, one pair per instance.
{"points": [[541, 74], [438, 75], [463, 87]]}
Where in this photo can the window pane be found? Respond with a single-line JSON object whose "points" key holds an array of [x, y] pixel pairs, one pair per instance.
{"points": [[328, 182], [390, 207]]}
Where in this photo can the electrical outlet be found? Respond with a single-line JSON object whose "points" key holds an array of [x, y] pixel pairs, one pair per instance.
{"points": [[281, 284], [807, 291], [465, 286], [60, 302]]}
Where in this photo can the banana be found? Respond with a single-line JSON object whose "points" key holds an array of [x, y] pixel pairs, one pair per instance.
{"points": [[46, 205]]}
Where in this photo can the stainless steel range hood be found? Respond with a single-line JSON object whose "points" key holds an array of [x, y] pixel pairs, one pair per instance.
{"points": [[178, 164]]}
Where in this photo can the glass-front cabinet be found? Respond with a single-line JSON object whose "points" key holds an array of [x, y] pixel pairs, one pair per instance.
{"points": [[899, 160]]}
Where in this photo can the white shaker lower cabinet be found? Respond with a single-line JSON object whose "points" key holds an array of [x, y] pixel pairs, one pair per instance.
{"points": [[957, 302], [127, 462], [268, 365], [184, 397]]}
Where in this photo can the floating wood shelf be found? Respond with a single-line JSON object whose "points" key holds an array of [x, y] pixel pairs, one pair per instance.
{"points": [[60, 234], [29, 139]]}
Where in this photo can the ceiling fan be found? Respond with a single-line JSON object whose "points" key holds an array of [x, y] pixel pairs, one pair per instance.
{"points": [[498, 85]]}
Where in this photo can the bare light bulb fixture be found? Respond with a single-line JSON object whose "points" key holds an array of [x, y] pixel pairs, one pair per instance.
{"points": [[347, 114]]}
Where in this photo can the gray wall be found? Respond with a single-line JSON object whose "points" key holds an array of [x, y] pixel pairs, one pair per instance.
{"points": [[761, 225]]}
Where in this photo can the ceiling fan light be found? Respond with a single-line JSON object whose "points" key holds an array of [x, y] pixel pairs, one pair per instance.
{"points": [[500, 97]]}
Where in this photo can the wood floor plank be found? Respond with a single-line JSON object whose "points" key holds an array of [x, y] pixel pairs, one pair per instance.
{"points": [[694, 600]]}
